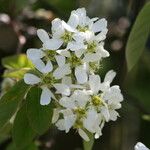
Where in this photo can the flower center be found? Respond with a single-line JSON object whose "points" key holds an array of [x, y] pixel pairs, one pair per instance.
{"points": [[97, 100], [94, 66], [91, 47], [80, 111], [74, 61], [67, 36], [48, 79], [82, 29], [49, 54]]}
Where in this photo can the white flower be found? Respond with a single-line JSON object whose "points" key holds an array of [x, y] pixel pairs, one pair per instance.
{"points": [[36, 55], [140, 146], [46, 94], [62, 69], [80, 21], [95, 50], [106, 98], [78, 99], [75, 103], [92, 122], [79, 67], [51, 44], [67, 122]]}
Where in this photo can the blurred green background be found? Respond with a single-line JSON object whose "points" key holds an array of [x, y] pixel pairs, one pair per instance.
{"points": [[19, 20]]}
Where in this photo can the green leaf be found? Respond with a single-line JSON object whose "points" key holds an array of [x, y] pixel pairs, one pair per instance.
{"points": [[12, 146], [17, 74], [5, 132], [16, 62], [39, 116], [137, 82], [9, 101], [22, 132], [63, 6], [138, 37]]}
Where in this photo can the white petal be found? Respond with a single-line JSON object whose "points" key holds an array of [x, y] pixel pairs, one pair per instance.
{"points": [[43, 35], [83, 135], [110, 76], [31, 79], [34, 53], [67, 102], [73, 46], [140, 146], [67, 80], [104, 53], [94, 82], [73, 20], [64, 52], [60, 124], [67, 27], [102, 35], [60, 72], [52, 44], [48, 67], [99, 25], [113, 115], [39, 64], [69, 122], [92, 57], [45, 96], [60, 60], [57, 28], [81, 74], [81, 97], [79, 53], [62, 88], [105, 112]]}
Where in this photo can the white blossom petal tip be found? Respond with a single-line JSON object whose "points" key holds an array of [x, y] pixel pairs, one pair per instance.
{"points": [[31, 79], [45, 96], [43, 35], [140, 146]]}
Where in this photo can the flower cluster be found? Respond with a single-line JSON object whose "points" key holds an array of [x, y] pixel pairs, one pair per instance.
{"points": [[67, 64]]}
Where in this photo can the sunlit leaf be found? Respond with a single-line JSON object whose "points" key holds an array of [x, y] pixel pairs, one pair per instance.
{"points": [[16, 74], [138, 37], [16, 62], [39, 116], [22, 132], [9, 101]]}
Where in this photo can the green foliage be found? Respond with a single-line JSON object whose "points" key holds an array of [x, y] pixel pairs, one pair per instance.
{"points": [[39, 116], [16, 62], [64, 6], [12, 146], [22, 133], [137, 82], [9, 102], [17, 66], [5, 132], [138, 37]]}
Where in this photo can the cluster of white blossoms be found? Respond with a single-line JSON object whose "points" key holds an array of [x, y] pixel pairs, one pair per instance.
{"points": [[67, 64]]}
